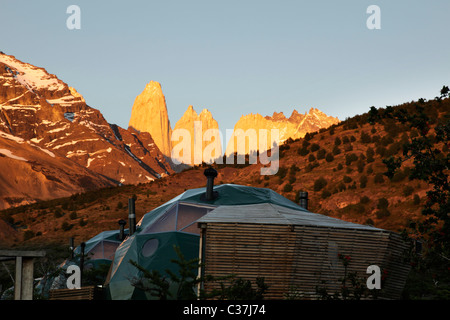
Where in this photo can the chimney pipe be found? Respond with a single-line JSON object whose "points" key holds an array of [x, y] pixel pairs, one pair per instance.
{"points": [[122, 224], [303, 199], [210, 174], [131, 216], [71, 247], [83, 246]]}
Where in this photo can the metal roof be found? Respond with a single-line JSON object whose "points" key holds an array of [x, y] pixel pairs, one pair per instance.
{"points": [[269, 213]]}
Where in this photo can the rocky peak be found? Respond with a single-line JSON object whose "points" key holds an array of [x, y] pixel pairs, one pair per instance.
{"points": [[296, 117], [149, 114], [188, 122], [295, 127]]}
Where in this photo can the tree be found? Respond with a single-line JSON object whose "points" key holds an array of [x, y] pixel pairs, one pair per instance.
{"points": [[329, 157], [445, 92], [428, 151]]}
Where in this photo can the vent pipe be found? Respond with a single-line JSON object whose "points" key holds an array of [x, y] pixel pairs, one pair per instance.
{"points": [[83, 246], [122, 224], [71, 247], [131, 216], [303, 199], [210, 174]]}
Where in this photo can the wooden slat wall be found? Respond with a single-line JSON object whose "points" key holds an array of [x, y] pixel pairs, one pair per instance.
{"points": [[317, 262], [394, 264], [248, 251], [295, 259]]}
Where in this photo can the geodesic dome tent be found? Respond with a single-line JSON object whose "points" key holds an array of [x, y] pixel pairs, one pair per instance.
{"points": [[175, 223], [98, 251], [100, 248]]}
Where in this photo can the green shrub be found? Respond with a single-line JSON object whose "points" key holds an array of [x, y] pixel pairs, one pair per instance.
{"points": [[293, 169], [329, 157], [347, 179], [365, 137], [303, 151], [66, 226], [314, 147], [292, 179], [282, 171], [336, 150], [360, 165], [349, 158], [345, 140], [319, 184], [321, 154], [337, 141], [383, 203], [363, 181], [369, 155]]}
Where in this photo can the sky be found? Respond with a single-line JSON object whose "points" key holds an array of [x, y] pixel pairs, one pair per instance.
{"points": [[237, 57]]}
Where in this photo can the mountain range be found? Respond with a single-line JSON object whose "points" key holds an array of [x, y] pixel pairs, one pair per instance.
{"points": [[149, 114], [53, 144]]}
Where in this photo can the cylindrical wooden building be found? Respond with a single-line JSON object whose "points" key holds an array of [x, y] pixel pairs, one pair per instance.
{"points": [[297, 251]]}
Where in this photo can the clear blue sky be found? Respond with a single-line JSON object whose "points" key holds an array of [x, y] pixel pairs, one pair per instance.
{"points": [[237, 57]]}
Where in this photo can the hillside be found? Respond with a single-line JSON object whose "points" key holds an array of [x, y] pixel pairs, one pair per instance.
{"points": [[341, 168]]}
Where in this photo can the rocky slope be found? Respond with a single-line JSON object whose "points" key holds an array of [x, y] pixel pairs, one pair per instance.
{"points": [[49, 133]]}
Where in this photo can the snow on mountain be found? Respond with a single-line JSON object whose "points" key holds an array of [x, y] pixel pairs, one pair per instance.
{"points": [[50, 121]]}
